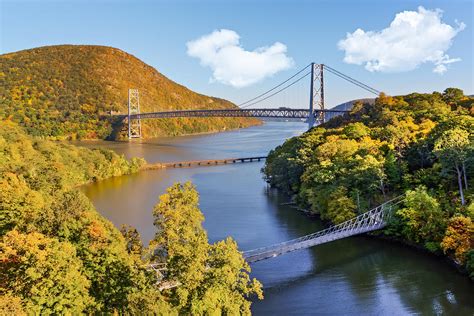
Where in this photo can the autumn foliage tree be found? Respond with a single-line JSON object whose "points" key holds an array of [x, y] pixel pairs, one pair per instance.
{"points": [[214, 278], [459, 237], [45, 273]]}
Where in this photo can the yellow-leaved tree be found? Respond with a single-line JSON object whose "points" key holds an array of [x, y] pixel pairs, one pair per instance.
{"points": [[458, 237], [211, 278]]}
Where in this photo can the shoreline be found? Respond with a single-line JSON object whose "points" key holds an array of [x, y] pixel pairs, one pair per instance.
{"points": [[137, 140]]}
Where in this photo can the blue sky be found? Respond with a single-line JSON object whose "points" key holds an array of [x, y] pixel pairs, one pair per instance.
{"points": [[157, 33]]}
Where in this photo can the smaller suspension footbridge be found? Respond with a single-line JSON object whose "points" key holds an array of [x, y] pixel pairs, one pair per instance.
{"points": [[375, 219], [372, 220]]}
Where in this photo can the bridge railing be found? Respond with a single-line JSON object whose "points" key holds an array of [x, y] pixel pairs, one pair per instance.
{"points": [[371, 220]]}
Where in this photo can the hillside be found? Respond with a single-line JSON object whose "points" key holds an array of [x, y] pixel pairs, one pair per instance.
{"points": [[68, 91], [418, 145], [60, 256]]}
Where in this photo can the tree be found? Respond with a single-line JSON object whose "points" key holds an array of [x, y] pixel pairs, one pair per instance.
{"points": [[453, 95], [422, 218], [133, 239], [180, 240], [227, 285], [340, 207], [458, 237], [17, 202], [470, 211], [356, 130], [470, 263], [213, 278], [366, 174], [452, 148], [392, 170], [45, 273], [285, 164], [400, 134], [380, 150], [148, 301], [11, 305]]}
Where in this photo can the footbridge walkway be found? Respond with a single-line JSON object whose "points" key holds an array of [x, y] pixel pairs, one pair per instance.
{"points": [[206, 162]]}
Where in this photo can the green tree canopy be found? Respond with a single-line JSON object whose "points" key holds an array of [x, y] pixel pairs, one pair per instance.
{"points": [[212, 279], [423, 218]]}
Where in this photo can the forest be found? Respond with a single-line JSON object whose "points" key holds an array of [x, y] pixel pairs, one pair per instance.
{"points": [[58, 255], [418, 145], [70, 92]]}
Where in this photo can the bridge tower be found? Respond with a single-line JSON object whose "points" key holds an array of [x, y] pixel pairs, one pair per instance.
{"points": [[316, 96], [134, 125]]}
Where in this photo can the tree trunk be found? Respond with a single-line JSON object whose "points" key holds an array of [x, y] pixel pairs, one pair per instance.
{"points": [[358, 202], [465, 174], [458, 170], [382, 188]]}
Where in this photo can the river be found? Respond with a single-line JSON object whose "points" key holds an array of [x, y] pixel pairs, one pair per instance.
{"points": [[355, 276]]}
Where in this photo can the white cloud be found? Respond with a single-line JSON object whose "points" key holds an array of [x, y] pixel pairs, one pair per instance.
{"points": [[233, 65], [413, 38]]}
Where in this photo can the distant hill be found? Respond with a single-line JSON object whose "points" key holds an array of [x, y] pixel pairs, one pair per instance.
{"points": [[68, 91], [348, 106]]}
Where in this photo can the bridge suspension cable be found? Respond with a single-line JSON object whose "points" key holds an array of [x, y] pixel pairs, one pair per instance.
{"points": [[295, 78], [351, 80], [278, 91], [265, 95]]}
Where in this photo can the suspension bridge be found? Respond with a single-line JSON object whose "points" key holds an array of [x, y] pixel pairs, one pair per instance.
{"points": [[281, 101]]}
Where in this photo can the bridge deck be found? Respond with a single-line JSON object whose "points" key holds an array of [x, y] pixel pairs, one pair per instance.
{"points": [[208, 162], [260, 113]]}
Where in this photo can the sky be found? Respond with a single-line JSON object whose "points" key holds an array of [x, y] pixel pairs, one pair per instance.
{"points": [[238, 49]]}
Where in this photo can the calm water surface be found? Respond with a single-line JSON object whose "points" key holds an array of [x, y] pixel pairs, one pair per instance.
{"points": [[355, 276]]}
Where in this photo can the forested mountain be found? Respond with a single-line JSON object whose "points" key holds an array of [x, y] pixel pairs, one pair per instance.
{"points": [[419, 145], [68, 91]]}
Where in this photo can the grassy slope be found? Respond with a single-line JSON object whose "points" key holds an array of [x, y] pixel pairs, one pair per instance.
{"points": [[67, 91]]}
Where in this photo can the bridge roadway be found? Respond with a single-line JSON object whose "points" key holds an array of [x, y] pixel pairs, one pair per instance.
{"points": [[374, 219], [260, 113]]}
